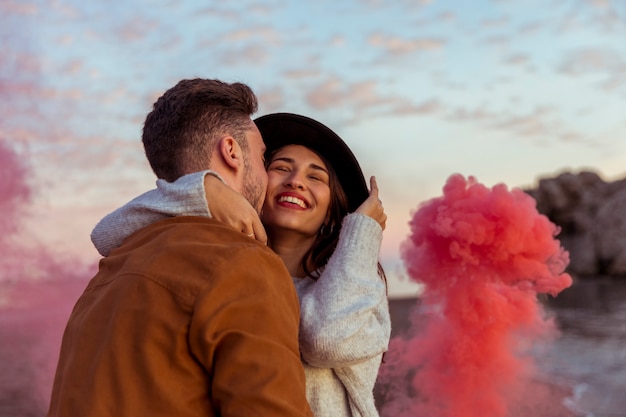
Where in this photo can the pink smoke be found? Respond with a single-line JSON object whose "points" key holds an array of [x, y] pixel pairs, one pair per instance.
{"points": [[37, 291], [483, 256], [14, 192]]}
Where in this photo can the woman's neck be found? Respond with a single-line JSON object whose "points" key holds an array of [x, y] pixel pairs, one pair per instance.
{"points": [[291, 247]]}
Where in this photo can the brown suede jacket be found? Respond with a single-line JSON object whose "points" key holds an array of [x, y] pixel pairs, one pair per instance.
{"points": [[187, 318]]}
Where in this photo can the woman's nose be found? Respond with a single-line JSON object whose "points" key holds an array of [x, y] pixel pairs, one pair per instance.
{"points": [[295, 181]]}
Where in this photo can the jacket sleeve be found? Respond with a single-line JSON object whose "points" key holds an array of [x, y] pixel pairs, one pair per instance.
{"points": [[345, 313], [183, 197], [248, 338]]}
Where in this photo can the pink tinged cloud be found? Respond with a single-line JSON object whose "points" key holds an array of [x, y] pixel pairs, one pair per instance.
{"points": [[483, 256], [401, 46], [9, 7]]}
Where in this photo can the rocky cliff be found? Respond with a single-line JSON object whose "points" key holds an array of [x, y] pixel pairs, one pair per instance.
{"points": [[592, 215]]}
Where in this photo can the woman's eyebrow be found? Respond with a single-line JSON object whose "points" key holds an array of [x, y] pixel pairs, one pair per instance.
{"points": [[317, 167], [292, 161], [283, 159]]}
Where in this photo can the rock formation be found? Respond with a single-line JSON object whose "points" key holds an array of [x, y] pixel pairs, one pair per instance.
{"points": [[592, 216]]}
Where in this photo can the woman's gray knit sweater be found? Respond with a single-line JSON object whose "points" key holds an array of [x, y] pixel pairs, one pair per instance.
{"points": [[345, 324]]}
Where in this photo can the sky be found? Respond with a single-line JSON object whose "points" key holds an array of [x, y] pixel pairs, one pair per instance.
{"points": [[508, 91]]}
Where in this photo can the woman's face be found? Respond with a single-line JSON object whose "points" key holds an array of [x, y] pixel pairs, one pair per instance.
{"points": [[298, 191]]}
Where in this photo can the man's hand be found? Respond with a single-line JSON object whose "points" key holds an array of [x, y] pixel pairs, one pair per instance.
{"points": [[372, 206], [231, 208]]}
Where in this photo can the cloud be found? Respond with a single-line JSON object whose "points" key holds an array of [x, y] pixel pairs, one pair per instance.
{"points": [[531, 28], [399, 46], [252, 54], [407, 108], [518, 60], [241, 46], [540, 124], [596, 61], [328, 93], [258, 34], [447, 16], [591, 60], [360, 96], [532, 124], [337, 92], [302, 74], [232, 12], [65, 40], [404, 3], [362, 99], [66, 10], [599, 3], [9, 7], [337, 40], [10, 89], [497, 41], [137, 28], [271, 99], [605, 16], [65, 136], [496, 23]]}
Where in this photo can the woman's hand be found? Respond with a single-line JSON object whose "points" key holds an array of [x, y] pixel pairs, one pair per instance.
{"points": [[372, 206], [229, 207]]}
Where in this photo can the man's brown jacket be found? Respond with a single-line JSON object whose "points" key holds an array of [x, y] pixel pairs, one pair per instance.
{"points": [[187, 318]]}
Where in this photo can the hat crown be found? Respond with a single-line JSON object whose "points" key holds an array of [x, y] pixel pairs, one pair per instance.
{"points": [[282, 129]]}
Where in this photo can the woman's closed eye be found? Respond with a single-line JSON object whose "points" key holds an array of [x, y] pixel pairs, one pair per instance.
{"points": [[282, 168], [318, 176]]}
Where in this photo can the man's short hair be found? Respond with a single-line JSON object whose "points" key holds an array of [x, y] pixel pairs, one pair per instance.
{"points": [[180, 132]]}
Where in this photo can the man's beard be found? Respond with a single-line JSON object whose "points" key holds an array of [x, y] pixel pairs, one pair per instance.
{"points": [[253, 189]]}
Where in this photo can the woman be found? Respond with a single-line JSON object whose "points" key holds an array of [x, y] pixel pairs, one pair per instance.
{"points": [[321, 220]]}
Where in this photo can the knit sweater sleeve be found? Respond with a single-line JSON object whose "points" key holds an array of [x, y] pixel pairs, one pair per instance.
{"points": [[345, 313], [183, 197]]}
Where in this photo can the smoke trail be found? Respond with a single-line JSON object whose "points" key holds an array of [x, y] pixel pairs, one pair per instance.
{"points": [[37, 291], [15, 195], [483, 256], [14, 192]]}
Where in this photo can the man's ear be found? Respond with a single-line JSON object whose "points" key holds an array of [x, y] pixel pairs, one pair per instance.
{"points": [[231, 153]]}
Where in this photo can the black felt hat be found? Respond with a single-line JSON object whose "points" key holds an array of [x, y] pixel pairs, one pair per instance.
{"points": [[281, 129]]}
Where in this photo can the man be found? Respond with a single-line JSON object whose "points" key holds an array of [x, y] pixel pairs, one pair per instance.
{"points": [[189, 316]]}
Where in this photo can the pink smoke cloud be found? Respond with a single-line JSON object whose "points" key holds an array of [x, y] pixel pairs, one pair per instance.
{"points": [[37, 291], [483, 256], [14, 192]]}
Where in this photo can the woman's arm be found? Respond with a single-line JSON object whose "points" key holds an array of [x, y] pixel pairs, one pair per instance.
{"points": [[187, 196], [230, 207], [345, 313]]}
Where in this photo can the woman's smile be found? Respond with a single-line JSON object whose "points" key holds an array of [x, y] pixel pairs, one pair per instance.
{"points": [[298, 191], [291, 199]]}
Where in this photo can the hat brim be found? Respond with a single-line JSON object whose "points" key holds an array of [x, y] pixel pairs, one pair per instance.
{"points": [[281, 129]]}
